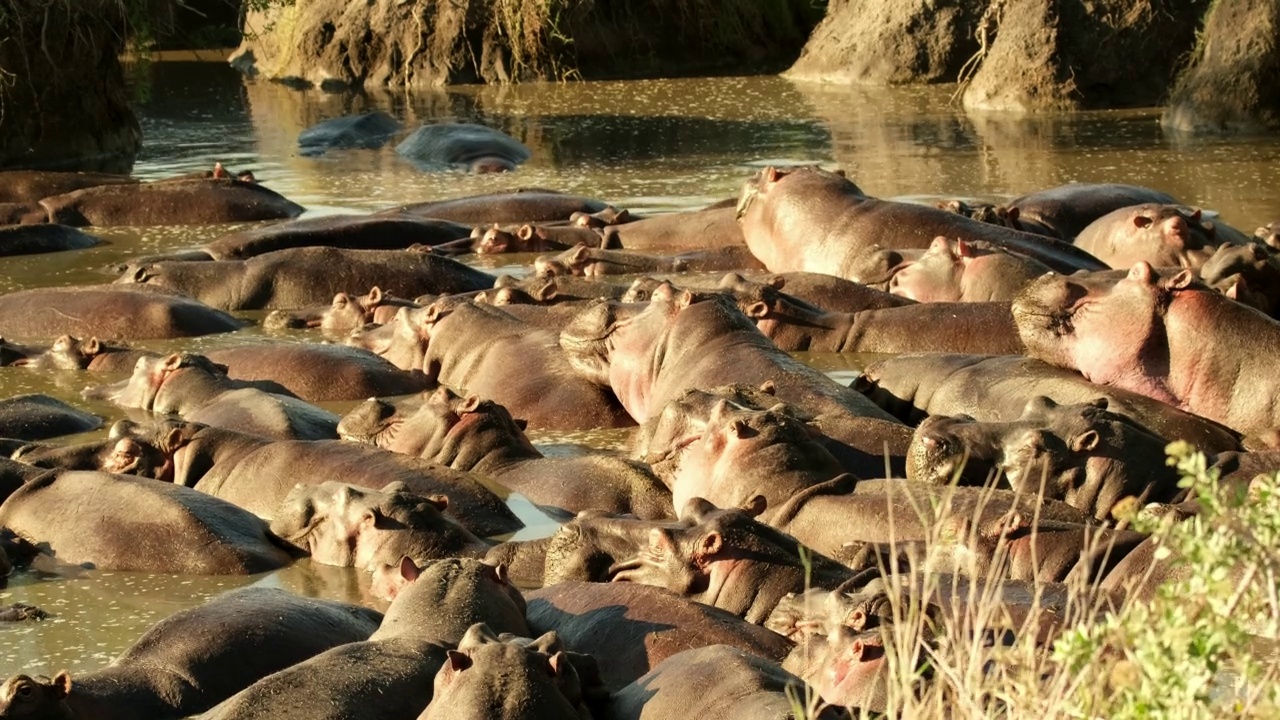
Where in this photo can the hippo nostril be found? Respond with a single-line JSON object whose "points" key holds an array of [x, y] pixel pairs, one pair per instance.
{"points": [[929, 442]]}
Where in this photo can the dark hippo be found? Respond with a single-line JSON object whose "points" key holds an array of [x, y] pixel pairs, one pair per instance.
{"points": [[106, 520], [797, 326], [726, 559], [554, 290], [1162, 235], [45, 238], [196, 658], [507, 679], [463, 146], [470, 346], [965, 272], [1170, 340], [197, 389], [13, 475], [351, 526], [353, 232], [1248, 273], [650, 354], [709, 228], [30, 213], [318, 372], [20, 612], [479, 436], [629, 628], [1066, 210], [813, 220], [1268, 235], [827, 292], [108, 312], [495, 240], [585, 261], [997, 389], [299, 277], [347, 312], [718, 682], [29, 186], [171, 202], [530, 205], [1081, 454], [446, 597], [37, 417], [368, 131]]}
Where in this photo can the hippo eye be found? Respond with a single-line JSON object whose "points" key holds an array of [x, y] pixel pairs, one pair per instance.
{"points": [[25, 691]]}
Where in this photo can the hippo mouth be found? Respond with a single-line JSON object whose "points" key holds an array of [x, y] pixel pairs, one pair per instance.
{"points": [[380, 435]]}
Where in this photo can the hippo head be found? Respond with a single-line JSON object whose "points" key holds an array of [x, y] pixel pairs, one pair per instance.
{"points": [[576, 260], [585, 339], [982, 212], [71, 353], [944, 448], [757, 190], [765, 301], [600, 220], [1249, 274], [130, 449], [641, 290], [684, 419], [23, 696], [964, 272], [505, 678], [494, 240], [1269, 235], [151, 373], [346, 312], [402, 341], [1163, 235]]}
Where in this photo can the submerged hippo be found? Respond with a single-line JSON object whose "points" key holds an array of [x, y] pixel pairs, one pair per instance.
{"points": [[353, 232], [347, 313], [37, 417], [519, 206], [368, 131], [32, 239], [709, 228], [463, 146], [29, 186]]}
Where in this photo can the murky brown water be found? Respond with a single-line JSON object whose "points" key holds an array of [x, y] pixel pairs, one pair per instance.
{"points": [[645, 145]]}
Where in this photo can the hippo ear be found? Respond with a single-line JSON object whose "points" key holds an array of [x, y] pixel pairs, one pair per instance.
{"points": [[940, 245], [768, 387], [521, 423], [756, 506], [1010, 212], [469, 404], [696, 509], [777, 282], [1181, 280], [439, 502], [501, 574], [409, 570], [757, 310], [142, 274], [684, 299], [840, 172], [769, 174], [1236, 288], [457, 661], [711, 544], [579, 252], [546, 293], [173, 362], [1086, 441], [1195, 214], [964, 249], [174, 440], [375, 295], [525, 232], [92, 346], [62, 684]]}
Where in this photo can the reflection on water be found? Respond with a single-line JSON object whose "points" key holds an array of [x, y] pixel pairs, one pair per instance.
{"points": [[648, 145]]}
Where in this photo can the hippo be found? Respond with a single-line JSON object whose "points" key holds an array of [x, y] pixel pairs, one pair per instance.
{"points": [[827, 292], [38, 417], [495, 240], [29, 186], [1081, 454], [1064, 211], [717, 682], [345, 314], [650, 354], [72, 353], [1162, 235], [554, 290], [507, 679], [109, 312], [586, 261], [529, 205], [94, 518], [673, 232], [353, 232], [172, 202], [797, 326], [317, 372], [480, 436], [197, 389], [29, 213], [986, 212], [368, 131], [1171, 340], [443, 599], [629, 628], [196, 658], [298, 277], [1248, 273], [997, 389], [818, 221], [21, 612], [1268, 235], [965, 272], [13, 475], [351, 526], [463, 146], [470, 347], [44, 238]]}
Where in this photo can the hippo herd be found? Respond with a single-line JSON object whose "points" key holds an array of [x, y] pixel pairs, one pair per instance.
{"points": [[742, 544]]}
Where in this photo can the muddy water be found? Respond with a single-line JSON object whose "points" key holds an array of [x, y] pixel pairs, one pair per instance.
{"points": [[647, 145]]}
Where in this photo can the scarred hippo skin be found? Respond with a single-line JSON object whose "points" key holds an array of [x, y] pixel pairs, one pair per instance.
{"points": [[1066, 210], [796, 326], [650, 354], [1171, 340], [354, 232], [32, 239], [813, 220], [726, 559], [38, 417], [718, 682], [172, 202], [473, 347], [345, 314], [23, 186], [709, 228], [318, 373], [997, 389], [1081, 454], [479, 436], [299, 277], [1162, 235], [519, 206], [194, 388], [449, 596], [507, 679], [108, 312], [629, 628], [588, 262], [368, 131], [349, 526], [197, 658], [1248, 274], [965, 272], [120, 522]]}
